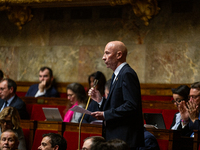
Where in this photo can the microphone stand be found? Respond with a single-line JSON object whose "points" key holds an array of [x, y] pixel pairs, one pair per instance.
{"points": [[88, 102]]}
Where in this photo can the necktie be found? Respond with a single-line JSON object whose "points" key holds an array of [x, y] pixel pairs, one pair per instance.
{"points": [[112, 79], [6, 103]]}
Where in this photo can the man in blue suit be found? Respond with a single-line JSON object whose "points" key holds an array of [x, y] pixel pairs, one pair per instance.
{"points": [[122, 111], [44, 88], [8, 97]]}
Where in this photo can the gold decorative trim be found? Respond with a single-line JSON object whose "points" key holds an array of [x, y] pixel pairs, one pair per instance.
{"points": [[144, 9], [18, 15]]}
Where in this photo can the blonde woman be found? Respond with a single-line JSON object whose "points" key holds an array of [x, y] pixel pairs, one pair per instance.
{"points": [[10, 119]]}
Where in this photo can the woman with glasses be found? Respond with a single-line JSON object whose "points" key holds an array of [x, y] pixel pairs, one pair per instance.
{"points": [[180, 94], [77, 97], [10, 119]]}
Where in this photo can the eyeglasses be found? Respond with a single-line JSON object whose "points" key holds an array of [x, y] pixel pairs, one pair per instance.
{"points": [[177, 101], [8, 122], [70, 95], [193, 96]]}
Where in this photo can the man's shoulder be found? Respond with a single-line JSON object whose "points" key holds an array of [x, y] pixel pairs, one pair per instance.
{"points": [[34, 86]]}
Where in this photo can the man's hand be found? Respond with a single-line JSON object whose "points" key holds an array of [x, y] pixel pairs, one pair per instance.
{"points": [[193, 111], [183, 111], [98, 115], [42, 86], [95, 95]]}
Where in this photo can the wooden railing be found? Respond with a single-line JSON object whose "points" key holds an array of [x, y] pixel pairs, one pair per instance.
{"points": [[146, 89]]}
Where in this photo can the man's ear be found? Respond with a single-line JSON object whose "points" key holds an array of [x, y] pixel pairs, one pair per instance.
{"points": [[119, 54], [11, 90], [56, 147]]}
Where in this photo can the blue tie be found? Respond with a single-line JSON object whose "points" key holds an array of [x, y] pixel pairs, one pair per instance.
{"points": [[113, 77], [6, 103]]}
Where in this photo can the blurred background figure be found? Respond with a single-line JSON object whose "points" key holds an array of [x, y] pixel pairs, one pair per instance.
{"points": [[53, 141], [91, 141], [119, 144], [180, 94], [10, 119], [76, 95], [9, 140], [1, 75], [94, 106], [8, 88]]}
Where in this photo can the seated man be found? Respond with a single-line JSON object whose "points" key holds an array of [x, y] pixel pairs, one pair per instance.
{"points": [[53, 141], [190, 110], [9, 140], [91, 141], [8, 97], [44, 88]]}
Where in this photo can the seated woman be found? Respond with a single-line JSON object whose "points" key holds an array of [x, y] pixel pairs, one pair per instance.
{"points": [[10, 119], [77, 96], [180, 94], [94, 106]]}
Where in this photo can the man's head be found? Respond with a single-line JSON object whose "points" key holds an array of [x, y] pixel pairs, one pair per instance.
{"points": [[90, 142], [46, 74], [53, 141], [8, 88], [195, 93], [114, 54], [1, 75], [9, 140]]}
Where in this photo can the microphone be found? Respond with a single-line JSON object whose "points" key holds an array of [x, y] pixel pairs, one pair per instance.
{"points": [[96, 80]]}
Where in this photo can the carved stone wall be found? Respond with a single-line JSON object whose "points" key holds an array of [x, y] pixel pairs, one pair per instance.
{"points": [[71, 41]]}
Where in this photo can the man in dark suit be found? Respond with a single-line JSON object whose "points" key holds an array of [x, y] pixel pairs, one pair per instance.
{"points": [[44, 88], [122, 111], [8, 97]]}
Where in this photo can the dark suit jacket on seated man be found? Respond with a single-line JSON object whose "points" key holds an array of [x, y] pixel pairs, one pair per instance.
{"points": [[9, 98], [122, 111], [191, 109], [44, 88]]}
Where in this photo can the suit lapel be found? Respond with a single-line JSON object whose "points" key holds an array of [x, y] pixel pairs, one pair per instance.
{"points": [[116, 80]]}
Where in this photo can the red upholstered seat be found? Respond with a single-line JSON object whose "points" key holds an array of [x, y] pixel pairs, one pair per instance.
{"points": [[149, 110], [168, 116], [38, 114], [72, 139], [156, 97], [26, 136], [38, 137], [29, 109], [163, 144]]}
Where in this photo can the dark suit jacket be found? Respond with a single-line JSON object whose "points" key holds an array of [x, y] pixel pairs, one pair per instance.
{"points": [[123, 109], [19, 105], [150, 141], [93, 106], [51, 92], [184, 131]]}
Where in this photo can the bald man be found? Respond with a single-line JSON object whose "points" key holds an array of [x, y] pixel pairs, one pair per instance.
{"points": [[122, 111]]}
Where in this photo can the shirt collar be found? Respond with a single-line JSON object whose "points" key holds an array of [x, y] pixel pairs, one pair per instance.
{"points": [[117, 70], [10, 100]]}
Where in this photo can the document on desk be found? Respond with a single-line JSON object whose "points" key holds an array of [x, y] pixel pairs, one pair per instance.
{"points": [[80, 110]]}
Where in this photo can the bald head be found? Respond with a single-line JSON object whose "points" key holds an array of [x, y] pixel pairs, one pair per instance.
{"points": [[114, 54]]}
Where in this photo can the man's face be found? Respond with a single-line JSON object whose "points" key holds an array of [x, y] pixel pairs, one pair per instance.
{"points": [[46, 145], [45, 76], [8, 141], [87, 144], [110, 56], [5, 93], [195, 96]]}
